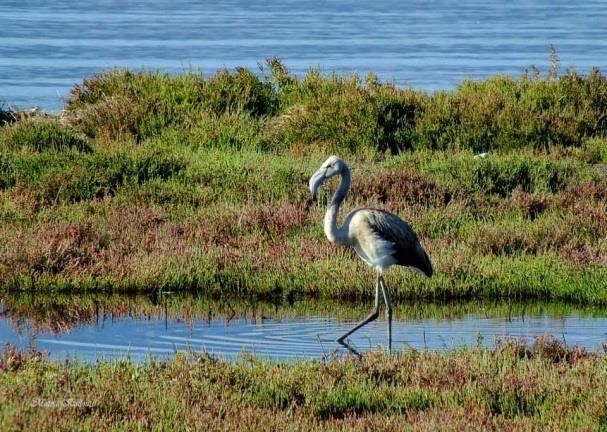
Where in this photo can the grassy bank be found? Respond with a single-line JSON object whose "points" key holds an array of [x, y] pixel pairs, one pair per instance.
{"points": [[514, 386], [184, 182]]}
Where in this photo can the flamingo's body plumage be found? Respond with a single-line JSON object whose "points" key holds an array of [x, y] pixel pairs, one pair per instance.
{"points": [[380, 239]]}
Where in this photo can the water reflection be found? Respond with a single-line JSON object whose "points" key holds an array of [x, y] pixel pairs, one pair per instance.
{"points": [[93, 326]]}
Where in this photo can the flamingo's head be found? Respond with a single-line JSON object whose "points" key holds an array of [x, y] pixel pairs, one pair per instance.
{"points": [[331, 167]]}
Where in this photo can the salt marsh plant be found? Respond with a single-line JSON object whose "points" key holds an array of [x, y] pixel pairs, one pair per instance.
{"points": [[515, 385], [331, 112]]}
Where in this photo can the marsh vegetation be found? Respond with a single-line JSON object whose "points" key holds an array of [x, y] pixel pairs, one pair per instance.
{"points": [[151, 182], [513, 386]]}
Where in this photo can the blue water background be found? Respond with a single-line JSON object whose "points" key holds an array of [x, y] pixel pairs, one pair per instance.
{"points": [[46, 47]]}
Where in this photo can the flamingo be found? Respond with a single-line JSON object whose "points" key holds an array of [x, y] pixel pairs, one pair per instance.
{"points": [[381, 239]]}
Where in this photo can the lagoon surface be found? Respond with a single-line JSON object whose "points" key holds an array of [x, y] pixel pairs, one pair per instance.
{"points": [[47, 47], [94, 327]]}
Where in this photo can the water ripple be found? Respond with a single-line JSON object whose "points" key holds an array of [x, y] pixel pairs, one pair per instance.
{"points": [[298, 337]]}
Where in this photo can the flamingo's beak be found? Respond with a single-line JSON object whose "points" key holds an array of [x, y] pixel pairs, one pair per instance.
{"points": [[316, 180]]}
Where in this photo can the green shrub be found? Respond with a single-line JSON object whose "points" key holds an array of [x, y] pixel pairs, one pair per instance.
{"points": [[502, 176], [236, 176], [498, 113], [229, 131], [344, 114], [498, 173], [142, 104], [55, 177], [332, 113], [594, 151], [38, 134], [239, 92], [120, 103], [505, 113]]}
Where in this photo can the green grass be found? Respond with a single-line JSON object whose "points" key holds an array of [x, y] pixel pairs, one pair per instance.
{"points": [[40, 135], [513, 386], [138, 217]]}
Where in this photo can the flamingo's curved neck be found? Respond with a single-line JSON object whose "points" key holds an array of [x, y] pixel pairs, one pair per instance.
{"points": [[334, 234]]}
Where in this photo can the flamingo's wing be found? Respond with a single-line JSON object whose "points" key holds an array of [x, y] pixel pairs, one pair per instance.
{"points": [[407, 250]]}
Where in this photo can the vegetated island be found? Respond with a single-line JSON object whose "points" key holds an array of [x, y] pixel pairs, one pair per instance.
{"points": [[150, 181]]}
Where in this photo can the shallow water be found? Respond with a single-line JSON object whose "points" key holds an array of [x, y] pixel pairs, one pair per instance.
{"points": [[140, 328], [47, 47]]}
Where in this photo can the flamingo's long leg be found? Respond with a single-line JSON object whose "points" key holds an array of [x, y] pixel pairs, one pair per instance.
{"points": [[373, 316], [388, 311]]}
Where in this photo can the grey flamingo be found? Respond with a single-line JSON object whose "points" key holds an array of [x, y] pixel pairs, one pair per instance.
{"points": [[380, 239]]}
